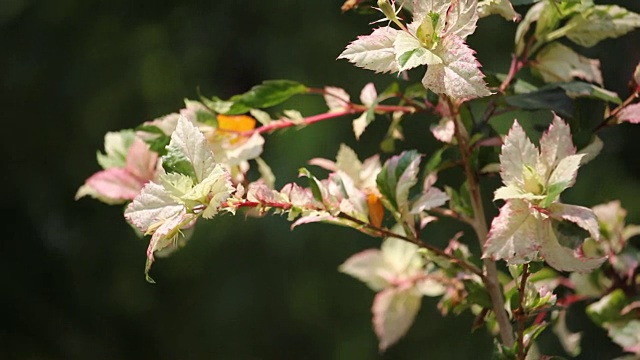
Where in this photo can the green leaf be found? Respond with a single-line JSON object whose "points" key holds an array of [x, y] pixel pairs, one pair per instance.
{"points": [[477, 294], [551, 99], [577, 89], [388, 179], [267, 94], [157, 143], [522, 2], [434, 161], [607, 309], [313, 184], [270, 93]]}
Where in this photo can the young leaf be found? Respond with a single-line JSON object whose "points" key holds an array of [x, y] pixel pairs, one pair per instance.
{"points": [[188, 152]]}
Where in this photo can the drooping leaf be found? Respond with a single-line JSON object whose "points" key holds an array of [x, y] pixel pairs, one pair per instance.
{"points": [[553, 99], [560, 257], [559, 63], [503, 8], [394, 311], [578, 89]]}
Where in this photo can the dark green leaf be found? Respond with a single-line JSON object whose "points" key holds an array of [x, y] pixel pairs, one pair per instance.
{"points": [[392, 170], [156, 143], [313, 184], [550, 99], [270, 93], [477, 294]]}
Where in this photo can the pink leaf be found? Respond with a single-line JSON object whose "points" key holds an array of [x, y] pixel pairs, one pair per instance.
{"points": [[115, 183], [630, 114], [141, 161]]}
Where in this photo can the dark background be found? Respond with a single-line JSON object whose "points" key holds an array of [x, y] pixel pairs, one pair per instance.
{"points": [[72, 272]]}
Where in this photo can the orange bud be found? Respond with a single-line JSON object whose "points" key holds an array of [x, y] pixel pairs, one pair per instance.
{"points": [[236, 123], [376, 210]]}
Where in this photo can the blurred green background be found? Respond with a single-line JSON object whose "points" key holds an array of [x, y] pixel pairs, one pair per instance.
{"points": [[72, 272]]}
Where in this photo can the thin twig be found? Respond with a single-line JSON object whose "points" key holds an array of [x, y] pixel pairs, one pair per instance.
{"points": [[388, 233], [520, 314], [480, 226], [617, 110]]}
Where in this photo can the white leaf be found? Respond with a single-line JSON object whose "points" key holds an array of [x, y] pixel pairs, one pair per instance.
{"points": [[459, 75], [191, 143], [604, 21], [556, 144], [517, 152], [406, 181], [347, 161], [559, 63], [360, 124], [368, 95], [523, 28], [374, 52], [152, 206], [444, 130], [514, 234], [402, 257], [393, 313], [337, 99], [430, 199], [116, 147], [591, 151], [562, 258], [367, 266], [462, 18], [500, 7], [410, 52], [564, 175]]}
